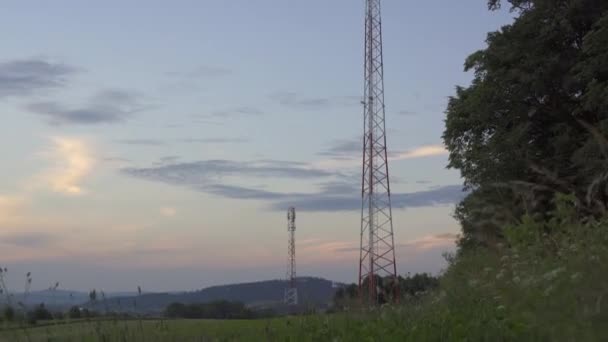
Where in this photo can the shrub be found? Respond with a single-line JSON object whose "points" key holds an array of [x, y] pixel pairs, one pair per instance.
{"points": [[9, 313]]}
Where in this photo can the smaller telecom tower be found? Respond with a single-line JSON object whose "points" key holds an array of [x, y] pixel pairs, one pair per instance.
{"points": [[291, 292]]}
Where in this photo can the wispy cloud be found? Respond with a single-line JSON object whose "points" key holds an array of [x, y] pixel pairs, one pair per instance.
{"points": [[406, 113], [420, 152], [29, 239], [168, 211], [27, 76], [293, 100], [236, 112], [73, 161], [345, 148], [214, 140], [202, 71], [109, 106], [145, 142], [343, 195], [9, 208], [116, 160], [329, 201], [347, 154], [421, 244], [201, 173], [186, 81], [168, 159], [431, 241], [158, 142]]}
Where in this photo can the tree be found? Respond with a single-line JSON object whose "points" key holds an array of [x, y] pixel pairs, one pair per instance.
{"points": [[40, 313], [417, 284], [93, 296], [9, 313], [74, 312], [534, 120], [217, 310]]}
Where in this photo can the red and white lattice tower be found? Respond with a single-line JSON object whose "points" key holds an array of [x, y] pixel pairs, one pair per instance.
{"points": [[291, 292], [377, 252]]}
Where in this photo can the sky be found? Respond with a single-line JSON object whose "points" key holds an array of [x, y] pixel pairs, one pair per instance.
{"points": [[159, 143]]}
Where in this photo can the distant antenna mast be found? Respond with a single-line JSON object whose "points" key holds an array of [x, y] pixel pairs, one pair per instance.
{"points": [[377, 252], [291, 292]]}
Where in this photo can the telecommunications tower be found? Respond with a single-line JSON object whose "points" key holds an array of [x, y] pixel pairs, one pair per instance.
{"points": [[377, 252], [291, 292]]}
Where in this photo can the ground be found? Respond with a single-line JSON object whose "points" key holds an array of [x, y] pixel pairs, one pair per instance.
{"points": [[283, 329]]}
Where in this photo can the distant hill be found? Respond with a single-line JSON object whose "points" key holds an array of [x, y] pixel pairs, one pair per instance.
{"points": [[311, 291]]}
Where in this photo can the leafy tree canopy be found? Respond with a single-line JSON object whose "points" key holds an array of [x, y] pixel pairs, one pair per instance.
{"points": [[533, 121]]}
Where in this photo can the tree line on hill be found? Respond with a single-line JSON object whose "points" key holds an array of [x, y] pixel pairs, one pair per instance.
{"points": [[221, 309], [409, 286]]}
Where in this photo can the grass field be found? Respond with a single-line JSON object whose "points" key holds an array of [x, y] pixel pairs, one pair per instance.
{"points": [[537, 289], [309, 328]]}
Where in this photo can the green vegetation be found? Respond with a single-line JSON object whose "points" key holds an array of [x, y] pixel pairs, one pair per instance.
{"points": [[409, 287], [215, 310], [534, 121], [530, 288]]}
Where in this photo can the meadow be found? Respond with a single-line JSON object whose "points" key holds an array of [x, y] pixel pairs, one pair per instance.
{"points": [[536, 289], [309, 328]]}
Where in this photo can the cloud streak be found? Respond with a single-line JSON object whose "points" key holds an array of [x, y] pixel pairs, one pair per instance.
{"points": [[406, 113], [236, 112], [203, 71], [28, 76], [295, 101], [29, 239], [421, 244], [214, 140], [327, 201], [420, 152], [109, 106], [347, 154], [144, 142], [344, 149], [201, 173], [210, 177]]}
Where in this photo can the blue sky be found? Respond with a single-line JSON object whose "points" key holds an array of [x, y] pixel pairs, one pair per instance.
{"points": [[157, 143]]}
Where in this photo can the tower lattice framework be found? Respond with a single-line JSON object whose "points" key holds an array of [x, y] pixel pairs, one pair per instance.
{"points": [[377, 252], [291, 292]]}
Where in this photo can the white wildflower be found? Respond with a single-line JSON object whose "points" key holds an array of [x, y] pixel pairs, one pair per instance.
{"points": [[552, 274]]}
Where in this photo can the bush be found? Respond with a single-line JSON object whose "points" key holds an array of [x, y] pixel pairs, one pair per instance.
{"points": [[40, 313], [9, 313], [58, 315], [74, 312], [216, 310]]}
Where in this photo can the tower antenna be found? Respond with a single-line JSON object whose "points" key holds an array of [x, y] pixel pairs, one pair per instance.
{"points": [[291, 292], [377, 252]]}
